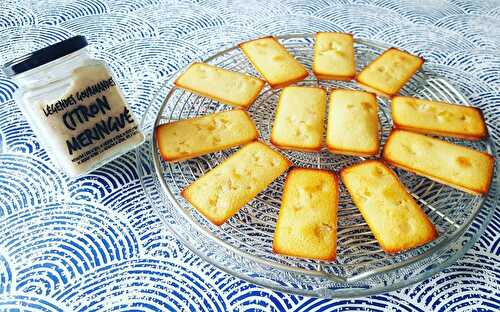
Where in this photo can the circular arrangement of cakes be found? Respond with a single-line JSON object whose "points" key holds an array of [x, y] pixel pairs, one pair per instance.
{"points": [[307, 223]]}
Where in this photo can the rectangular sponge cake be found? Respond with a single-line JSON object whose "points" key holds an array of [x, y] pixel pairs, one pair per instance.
{"points": [[455, 165], [334, 56], [273, 62], [388, 73], [307, 222], [395, 219], [438, 118], [190, 138], [353, 126], [299, 119], [228, 87], [224, 190]]}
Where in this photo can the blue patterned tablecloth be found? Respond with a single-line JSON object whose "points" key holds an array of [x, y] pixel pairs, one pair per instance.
{"points": [[95, 243]]}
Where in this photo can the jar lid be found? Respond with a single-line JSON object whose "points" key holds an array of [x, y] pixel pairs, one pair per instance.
{"points": [[44, 55]]}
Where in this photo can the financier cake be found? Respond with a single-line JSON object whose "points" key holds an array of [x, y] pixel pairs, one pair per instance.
{"points": [[273, 62], [353, 126], [190, 138], [388, 73], [439, 118], [307, 221], [299, 119], [395, 219], [228, 87], [334, 56], [451, 164], [224, 190]]}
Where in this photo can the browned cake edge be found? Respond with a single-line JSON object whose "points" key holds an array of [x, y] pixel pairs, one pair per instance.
{"points": [[334, 150], [295, 148], [165, 155], [431, 235], [273, 85], [231, 103], [480, 192], [373, 90], [276, 249], [332, 77], [217, 222]]}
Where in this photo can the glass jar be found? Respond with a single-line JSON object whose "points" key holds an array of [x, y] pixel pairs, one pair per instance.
{"points": [[74, 106]]}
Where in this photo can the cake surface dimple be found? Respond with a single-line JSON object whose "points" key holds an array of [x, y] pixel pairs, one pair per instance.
{"points": [[396, 220], [298, 123], [439, 118], [307, 221], [389, 72], [223, 191], [353, 125], [334, 56], [190, 138], [272, 60], [228, 87], [455, 165]]}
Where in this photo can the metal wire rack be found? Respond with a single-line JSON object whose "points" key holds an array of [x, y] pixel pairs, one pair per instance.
{"points": [[247, 237]]}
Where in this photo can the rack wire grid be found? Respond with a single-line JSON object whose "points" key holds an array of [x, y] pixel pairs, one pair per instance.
{"points": [[248, 235]]}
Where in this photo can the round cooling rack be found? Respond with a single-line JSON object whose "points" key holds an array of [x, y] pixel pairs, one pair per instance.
{"points": [[243, 245]]}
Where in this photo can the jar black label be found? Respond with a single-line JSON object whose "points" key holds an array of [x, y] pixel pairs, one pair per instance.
{"points": [[91, 119]]}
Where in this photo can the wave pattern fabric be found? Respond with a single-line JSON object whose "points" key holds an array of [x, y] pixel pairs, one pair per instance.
{"points": [[95, 243]]}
